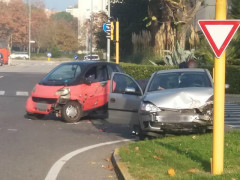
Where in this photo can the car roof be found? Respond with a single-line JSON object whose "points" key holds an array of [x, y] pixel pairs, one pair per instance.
{"points": [[89, 62], [182, 70]]}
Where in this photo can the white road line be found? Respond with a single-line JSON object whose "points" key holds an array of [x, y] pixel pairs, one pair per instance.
{"points": [[56, 168], [20, 93], [1, 77], [2, 93]]}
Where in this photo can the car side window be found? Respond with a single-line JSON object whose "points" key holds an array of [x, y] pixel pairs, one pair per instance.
{"points": [[97, 74], [102, 73], [91, 74], [125, 85]]}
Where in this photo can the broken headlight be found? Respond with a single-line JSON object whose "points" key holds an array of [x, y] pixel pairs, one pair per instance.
{"points": [[63, 92], [149, 107]]}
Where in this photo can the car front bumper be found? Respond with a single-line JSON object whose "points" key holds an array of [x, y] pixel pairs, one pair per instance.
{"points": [[168, 121], [40, 106]]}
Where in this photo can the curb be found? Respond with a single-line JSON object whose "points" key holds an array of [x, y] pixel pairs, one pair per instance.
{"points": [[120, 167]]}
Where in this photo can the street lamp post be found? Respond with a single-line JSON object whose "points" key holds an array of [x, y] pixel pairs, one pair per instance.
{"points": [[29, 28], [91, 28]]}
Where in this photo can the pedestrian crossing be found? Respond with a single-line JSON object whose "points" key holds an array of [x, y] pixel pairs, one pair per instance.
{"points": [[232, 110], [232, 115], [17, 93]]}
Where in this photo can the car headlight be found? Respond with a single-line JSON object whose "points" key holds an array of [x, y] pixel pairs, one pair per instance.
{"points": [[63, 92], [149, 107]]}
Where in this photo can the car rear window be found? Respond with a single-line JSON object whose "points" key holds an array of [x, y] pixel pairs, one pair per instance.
{"points": [[179, 80]]}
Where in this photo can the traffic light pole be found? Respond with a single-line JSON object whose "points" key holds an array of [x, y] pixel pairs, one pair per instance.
{"points": [[117, 42], [108, 40]]}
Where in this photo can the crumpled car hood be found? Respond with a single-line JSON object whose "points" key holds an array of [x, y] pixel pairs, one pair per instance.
{"points": [[181, 98]]}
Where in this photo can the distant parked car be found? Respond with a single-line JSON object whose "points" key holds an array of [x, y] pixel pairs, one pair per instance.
{"points": [[174, 101], [20, 55], [1, 59], [94, 57]]}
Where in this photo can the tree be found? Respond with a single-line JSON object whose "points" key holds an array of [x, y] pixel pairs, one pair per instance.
{"points": [[62, 16], [130, 14], [14, 23], [176, 14], [39, 25], [99, 37], [63, 30]]}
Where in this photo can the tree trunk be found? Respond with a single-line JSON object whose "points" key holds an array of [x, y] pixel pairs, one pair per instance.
{"points": [[182, 34]]}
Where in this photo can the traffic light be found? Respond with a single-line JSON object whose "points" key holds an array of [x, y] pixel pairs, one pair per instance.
{"points": [[110, 30]]}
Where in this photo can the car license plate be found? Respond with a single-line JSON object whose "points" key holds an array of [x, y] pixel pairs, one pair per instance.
{"points": [[42, 106]]}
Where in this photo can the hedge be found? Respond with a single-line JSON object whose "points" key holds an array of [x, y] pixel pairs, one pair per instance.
{"points": [[145, 72]]}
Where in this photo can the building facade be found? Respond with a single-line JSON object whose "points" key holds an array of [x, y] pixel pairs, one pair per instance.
{"points": [[85, 6]]}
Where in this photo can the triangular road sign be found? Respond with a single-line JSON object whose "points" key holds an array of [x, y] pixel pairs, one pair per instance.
{"points": [[219, 33]]}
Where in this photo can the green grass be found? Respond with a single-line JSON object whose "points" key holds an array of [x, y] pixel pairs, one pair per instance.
{"points": [[182, 153]]}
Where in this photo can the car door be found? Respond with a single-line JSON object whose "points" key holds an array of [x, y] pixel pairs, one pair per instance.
{"points": [[104, 84], [124, 99]]}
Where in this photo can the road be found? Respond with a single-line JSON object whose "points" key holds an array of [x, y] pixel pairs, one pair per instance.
{"points": [[49, 148], [34, 149], [232, 115]]}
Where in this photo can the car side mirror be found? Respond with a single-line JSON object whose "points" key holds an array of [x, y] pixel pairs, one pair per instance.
{"points": [[227, 86], [130, 90]]}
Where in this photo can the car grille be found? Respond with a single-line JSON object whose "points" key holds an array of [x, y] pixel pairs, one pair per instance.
{"points": [[44, 100]]}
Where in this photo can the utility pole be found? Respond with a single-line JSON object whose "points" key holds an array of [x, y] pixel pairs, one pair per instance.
{"points": [[108, 40], [29, 28], [219, 100], [91, 28]]}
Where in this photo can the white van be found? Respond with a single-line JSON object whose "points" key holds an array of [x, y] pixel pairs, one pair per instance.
{"points": [[94, 57]]}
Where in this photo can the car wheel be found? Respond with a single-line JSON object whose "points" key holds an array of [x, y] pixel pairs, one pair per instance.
{"points": [[141, 134], [35, 116], [71, 112]]}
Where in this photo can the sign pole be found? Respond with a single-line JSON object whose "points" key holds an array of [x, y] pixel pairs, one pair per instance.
{"points": [[108, 40], [219, 100]]}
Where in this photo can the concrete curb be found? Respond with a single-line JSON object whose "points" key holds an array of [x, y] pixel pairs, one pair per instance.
{"points": [[120, 167]]}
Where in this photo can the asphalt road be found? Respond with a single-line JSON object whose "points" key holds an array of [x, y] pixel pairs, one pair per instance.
{"points": [[49, 148]]}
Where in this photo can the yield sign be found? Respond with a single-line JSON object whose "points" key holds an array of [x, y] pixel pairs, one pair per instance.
{"points": [[219, 33]]}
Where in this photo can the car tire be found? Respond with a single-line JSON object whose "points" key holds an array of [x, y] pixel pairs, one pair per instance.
{"points": [[71, 112], [141, 134], [35, 116]]}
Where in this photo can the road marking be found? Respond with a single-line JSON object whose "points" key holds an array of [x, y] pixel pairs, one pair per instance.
{"points": [[1, 77], [56, 168], [20, 93], [14, 130], [2, 93]]}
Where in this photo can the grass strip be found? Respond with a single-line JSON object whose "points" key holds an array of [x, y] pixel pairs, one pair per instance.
{"points": [[181, 157]]}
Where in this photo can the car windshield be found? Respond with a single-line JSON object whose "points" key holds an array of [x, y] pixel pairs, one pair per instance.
{"points": [[64, 74], [175, 80]]}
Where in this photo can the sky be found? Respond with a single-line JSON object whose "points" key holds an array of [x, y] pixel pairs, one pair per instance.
{"points": [[59, 5]]}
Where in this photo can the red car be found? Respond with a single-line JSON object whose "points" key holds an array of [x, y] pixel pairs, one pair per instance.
{"points": [[72, 90]]}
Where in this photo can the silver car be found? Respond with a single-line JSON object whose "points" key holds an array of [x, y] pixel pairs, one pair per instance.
{"points": [[173, 101]]}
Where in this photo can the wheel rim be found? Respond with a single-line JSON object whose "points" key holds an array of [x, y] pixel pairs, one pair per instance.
{"points": [[71, 111]]}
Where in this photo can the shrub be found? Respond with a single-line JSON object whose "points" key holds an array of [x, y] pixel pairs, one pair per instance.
{"points": [[145, 72]]}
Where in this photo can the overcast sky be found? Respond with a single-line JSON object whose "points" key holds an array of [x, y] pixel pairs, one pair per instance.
{"points": [[59, 5]]}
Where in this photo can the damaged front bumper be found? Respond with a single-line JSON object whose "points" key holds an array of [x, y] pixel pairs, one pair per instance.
{"points": [[174, 121]]}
